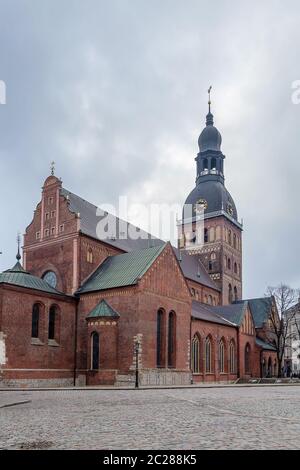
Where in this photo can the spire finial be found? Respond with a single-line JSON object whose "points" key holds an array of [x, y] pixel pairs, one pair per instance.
{"points": [[18, 242], [209, 117], [209, 98], [52, 168]]}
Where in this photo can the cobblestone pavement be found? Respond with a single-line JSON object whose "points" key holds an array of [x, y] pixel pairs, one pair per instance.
{"points": [[215, 418]]}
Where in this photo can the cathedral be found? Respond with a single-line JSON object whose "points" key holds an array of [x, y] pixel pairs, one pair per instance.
{"points": [[80, 309]]}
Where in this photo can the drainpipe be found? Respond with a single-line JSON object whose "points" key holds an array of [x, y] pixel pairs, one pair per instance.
{"points": [[75, 342], [192, 380], [238, 354]]}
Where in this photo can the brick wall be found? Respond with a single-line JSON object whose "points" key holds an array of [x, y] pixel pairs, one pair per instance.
{"points": [[99, 251], [216, 332], [28, 358], [203, 293]]}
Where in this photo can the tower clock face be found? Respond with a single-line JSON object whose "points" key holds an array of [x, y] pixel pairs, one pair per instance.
{"points": [[50, 278], [201, 205]]}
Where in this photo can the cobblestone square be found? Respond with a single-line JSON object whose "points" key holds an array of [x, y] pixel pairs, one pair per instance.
{"points": [[191, 418]]}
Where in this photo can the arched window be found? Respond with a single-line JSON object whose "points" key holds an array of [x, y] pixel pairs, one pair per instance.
{"points": [[235, 268], [213, 256], [232, 358], [222, 356], [193, 292], [230, 293], [196, 354], [229, 237], [210, 265], [235, 293], [228, 263], [95, 349], [205, 164], [160, 335], [208, 355], [205, 235], [264, 368], [270, 371], [89, 255], [210, 300], [213, 164], [234, 240], [247, 359], [35, 321], [172, 340], [52, 322]]}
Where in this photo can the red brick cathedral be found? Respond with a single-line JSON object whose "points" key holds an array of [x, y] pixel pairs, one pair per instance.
{"points": [[84, 309]]}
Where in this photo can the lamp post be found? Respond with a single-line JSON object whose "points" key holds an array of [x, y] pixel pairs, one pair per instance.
{"points": [[136, 350]]}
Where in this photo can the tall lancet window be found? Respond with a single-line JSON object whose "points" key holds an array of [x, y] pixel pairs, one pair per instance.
{"points": [[160, 338], [172, 340], [95, 349]]}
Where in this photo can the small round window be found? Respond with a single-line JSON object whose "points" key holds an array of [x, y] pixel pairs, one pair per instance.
{"points": [[50, 278]]}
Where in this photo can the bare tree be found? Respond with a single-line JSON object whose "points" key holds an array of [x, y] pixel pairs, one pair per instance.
{"points": [[278, 328]]}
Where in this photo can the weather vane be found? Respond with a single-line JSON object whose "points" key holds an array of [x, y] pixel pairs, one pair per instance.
{"points": [[52, 167], [209, 100]]}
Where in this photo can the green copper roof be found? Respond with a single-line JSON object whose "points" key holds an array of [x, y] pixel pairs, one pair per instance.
{"points": [[260, 309], [121, 270], [103, 309], [17, 276], [264, 345]]}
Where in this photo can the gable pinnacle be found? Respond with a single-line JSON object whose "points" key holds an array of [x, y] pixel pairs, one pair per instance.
{"points": [[18, 242]]}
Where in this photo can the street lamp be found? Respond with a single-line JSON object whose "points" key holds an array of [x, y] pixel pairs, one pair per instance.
{"points": [[136, 350]]}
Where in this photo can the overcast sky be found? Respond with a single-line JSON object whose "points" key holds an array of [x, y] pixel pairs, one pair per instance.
{"points": [[115, 92]]}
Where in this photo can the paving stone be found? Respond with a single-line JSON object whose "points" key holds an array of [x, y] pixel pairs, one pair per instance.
{"points": [[233, 418]]}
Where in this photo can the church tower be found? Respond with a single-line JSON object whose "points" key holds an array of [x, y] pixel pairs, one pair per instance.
{"points": [[211, 207]]}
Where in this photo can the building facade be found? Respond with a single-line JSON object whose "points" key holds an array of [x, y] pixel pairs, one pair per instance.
{"points": [[90, 305], [292, 350]]}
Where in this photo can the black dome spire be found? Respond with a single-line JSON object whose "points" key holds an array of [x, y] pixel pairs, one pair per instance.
{"points": [[210, 138], [210, 190]]}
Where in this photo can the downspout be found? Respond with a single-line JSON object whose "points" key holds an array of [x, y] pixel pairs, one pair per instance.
{"points": [[75, 342], [238, 354], [78, 253], [192, 380]]}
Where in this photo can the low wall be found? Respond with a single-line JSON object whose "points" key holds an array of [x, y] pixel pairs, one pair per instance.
{"points": [[36, 383], [154, 377]]}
